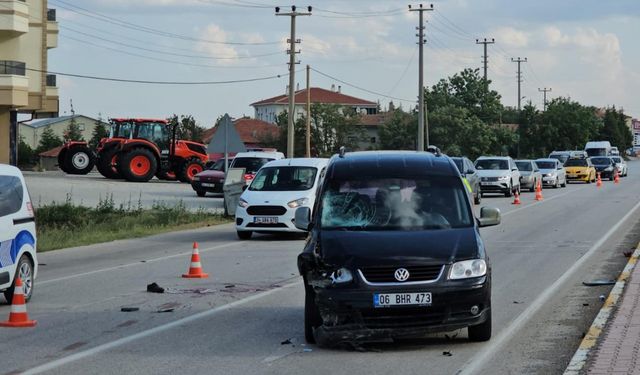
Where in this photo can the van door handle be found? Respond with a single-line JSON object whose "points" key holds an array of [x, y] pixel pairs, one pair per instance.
{"points": [[24, 220]]}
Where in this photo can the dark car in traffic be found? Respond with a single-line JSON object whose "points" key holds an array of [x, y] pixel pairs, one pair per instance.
{"points": [[394, 251], [468, 171], [211, 179], [605, 166]]}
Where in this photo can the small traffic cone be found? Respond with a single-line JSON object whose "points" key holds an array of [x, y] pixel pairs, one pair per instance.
{"points": [[616, 178], [195, 270], [18, 316], [599, 183], [539, 191], [516, 199]]}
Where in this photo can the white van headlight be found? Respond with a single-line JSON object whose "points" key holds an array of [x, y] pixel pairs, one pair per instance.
{"points": [[467, 269], [298, 202], [242, 203], [502, 178]]}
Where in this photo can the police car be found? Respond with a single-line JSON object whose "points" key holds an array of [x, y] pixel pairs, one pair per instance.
{"points": [[17, 233]]}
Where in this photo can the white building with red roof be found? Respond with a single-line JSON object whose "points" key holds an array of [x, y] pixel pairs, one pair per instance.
{"points": [[269, 109]]}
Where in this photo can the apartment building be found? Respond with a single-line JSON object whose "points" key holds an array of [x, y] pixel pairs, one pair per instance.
{"points": [[28, 29]]}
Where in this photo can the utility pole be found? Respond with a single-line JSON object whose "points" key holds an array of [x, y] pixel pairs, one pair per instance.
{"points": [[519, 61], [485, 58], [544, 102], [422, 123], [292, 79], [308, 138]]}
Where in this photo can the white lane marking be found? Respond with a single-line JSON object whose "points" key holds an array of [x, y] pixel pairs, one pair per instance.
{"points": [[475, 364], [127, 339], [136, 263]]}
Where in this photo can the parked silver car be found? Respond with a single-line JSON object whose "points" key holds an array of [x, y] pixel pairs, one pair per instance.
{"points": [[498, 174], [553, 172], [530, 174], [621, 165]]}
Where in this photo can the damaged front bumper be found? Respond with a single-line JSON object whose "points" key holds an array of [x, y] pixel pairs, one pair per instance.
{"points": [[349, 315]]}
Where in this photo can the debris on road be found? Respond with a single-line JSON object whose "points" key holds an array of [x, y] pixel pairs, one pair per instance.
{"points": [[517, 302], [307, 350], [230, 286], [155, 288], [165, 310], [447, 354], [598, 282], [628, 254], [602, 297], [286, 342], [129, 309]]}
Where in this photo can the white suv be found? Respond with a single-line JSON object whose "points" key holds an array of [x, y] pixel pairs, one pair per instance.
{"points": [[17, 233], [498, 174]]}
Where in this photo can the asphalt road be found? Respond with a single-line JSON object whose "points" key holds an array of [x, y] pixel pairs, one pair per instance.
{"points": [[89, 190], [236, 321]]}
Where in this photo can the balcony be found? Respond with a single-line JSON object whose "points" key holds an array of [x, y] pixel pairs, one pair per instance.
{"points": [[14, 17], [52, 29], [14, 84]]}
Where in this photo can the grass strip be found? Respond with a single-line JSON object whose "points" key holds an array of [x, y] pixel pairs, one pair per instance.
{"points": [[67, 225]]}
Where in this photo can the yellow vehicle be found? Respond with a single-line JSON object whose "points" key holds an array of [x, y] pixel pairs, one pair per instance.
{"points": [[580, 170]]}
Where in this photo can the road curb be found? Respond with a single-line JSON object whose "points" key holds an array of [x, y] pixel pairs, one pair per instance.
{"points": [[580, 358]]}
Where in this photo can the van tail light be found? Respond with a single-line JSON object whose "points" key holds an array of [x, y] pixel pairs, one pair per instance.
{"points": [[30, 209], [248, 177]]}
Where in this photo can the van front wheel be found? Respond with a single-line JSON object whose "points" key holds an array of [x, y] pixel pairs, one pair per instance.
{"points": [[481, 332]]}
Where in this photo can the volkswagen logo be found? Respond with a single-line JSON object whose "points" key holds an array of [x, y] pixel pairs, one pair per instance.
{"points": [[401, 274]]}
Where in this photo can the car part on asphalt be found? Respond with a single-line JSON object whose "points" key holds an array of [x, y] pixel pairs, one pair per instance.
{"points": [[155, 288]]}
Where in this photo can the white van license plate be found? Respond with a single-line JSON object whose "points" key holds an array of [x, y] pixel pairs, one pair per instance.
{"points": [[401, 299], [266, 220]]}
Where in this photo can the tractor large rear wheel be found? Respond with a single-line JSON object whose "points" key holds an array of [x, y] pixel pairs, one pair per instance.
{"points": [[78, 160], [138, 165], [190, 168], [106, 164]]}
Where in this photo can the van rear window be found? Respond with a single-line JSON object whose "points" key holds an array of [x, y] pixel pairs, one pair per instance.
{"points": [[11, 195], [395, 204]]}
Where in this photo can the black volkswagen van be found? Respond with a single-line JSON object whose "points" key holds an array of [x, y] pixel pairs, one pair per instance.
{"points": [[394, 251]]}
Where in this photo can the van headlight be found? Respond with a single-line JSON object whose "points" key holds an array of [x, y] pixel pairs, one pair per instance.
{"points": [[242, 203], [298, 202], [341, 276], [467, 269], [503, 178]]}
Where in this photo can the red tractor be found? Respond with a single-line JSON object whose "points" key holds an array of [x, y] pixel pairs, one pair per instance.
{"points": [[136, 150]]}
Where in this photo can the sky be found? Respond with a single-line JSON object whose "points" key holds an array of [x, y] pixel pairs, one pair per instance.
{"points": [[582, 49]]}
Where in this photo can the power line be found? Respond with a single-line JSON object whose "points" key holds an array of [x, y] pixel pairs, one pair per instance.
{"points": [[361, 88], [157, 59], [101, 17], [406, 69], [123, 80], [164, 52]]}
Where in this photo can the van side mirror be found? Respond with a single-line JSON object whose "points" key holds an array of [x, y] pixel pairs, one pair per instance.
{"points": [[303, 218], [489, 216]]}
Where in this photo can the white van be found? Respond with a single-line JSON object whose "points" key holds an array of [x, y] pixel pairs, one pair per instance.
{"points": [[252, 161], [17, 233], [279, 188], [598, 148]]}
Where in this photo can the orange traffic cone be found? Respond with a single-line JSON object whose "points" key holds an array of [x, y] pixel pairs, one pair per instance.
{"points": [[18, 316], [616, 178], [539, 191], [599, 183], [195, 270], [516, 199]]}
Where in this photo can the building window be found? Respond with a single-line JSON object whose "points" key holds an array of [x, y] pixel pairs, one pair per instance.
{"points": [[81, 127]]}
